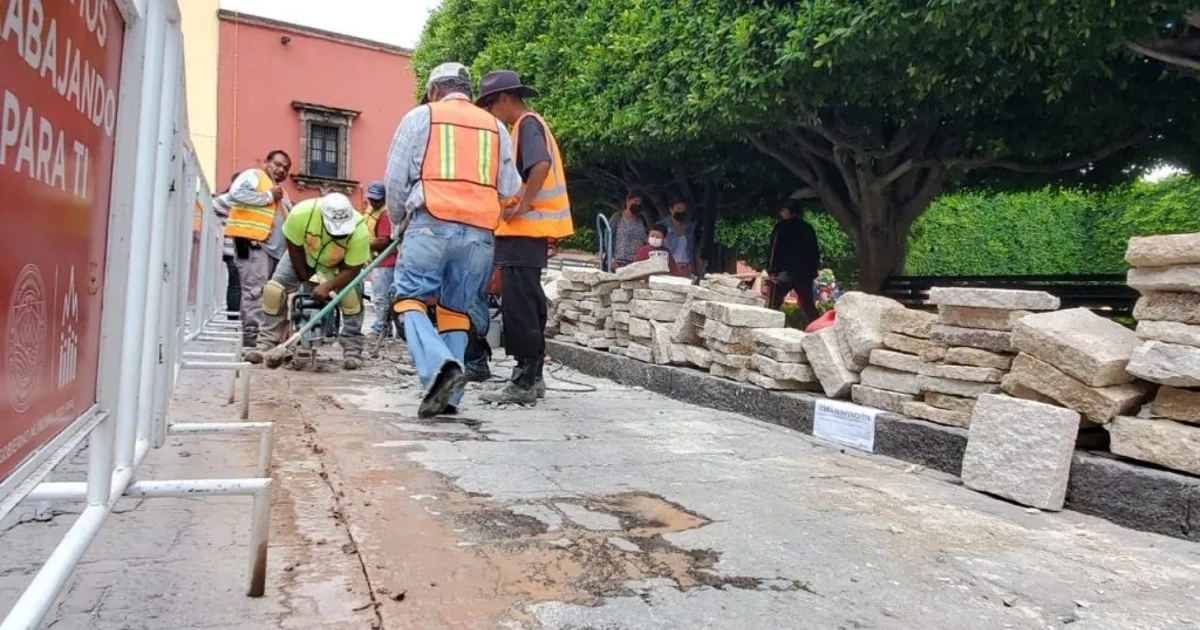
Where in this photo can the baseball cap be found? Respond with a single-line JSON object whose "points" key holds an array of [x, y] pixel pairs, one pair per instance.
{"points": [[376, 191], [338, 215], [448, 70]]}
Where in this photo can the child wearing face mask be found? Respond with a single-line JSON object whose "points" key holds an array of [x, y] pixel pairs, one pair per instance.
{"points": [[654, 247]]}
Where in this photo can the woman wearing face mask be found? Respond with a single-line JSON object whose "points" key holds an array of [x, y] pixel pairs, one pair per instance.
{"points": [[680, 238], [655, 248]]}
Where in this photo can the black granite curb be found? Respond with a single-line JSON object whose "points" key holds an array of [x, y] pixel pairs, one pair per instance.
{"points": [[1128, 494]]}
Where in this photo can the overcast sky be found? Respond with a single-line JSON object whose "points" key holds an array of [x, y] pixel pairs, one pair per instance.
{"points": [[391, 21]]}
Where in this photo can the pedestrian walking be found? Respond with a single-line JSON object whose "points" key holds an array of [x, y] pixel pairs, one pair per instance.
{"points": [[379, 226], [541, 212], [449, 166], [795, 257]]}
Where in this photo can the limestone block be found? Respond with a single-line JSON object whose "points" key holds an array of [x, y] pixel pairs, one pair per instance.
{"points": [[734, 374], [587, 276], [1170, 332], [862, 322], [978, 358], [783, 371], [568, 286], [658, 296], [738, 361], [674, 284], [767, 382], [954, 387], [640, 352], [784, 339], [689, 322], [1079, 342], [1172, 307], [662, 342], [730, 348], [776, 354], [716, 331], [823, 354], [657, 311], [1020, 450], [1177, 404], [744, 298], [972, 317], [622, 317], [697, 356], [621, 296], [1097, 404], [880, 398], [1169, 444], [1167, 364], [633, 285], [961, 372], [643, 269], [639, 327], [934, 414], [893, 360], [911, 322], [1166, 250], [1184, 278], [1008, 299], [1014, 388], [745, 316], [995, 340], [911, 345], [949, 403], [891, 380], [935, 355]]}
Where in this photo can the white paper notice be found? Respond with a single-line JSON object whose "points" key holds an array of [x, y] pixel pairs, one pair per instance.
{"points": [[845, 424]]}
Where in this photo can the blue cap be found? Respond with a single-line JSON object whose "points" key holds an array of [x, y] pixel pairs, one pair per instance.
{"points": [[376, 191]]}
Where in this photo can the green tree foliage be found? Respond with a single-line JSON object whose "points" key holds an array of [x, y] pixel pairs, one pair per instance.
{"points": [[871, 108]]}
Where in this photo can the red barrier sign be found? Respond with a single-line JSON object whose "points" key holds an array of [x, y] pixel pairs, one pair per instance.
{"points": [[60, 64]]}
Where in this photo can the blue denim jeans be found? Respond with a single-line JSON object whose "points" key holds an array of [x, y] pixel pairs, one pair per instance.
{"points": [[453, 263], [382, 280]]}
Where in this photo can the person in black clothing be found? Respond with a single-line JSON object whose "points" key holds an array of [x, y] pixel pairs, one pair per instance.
{"points": [[795, 259]]}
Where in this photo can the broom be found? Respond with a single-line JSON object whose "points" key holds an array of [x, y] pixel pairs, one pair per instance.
{"points": [[275, 356]]}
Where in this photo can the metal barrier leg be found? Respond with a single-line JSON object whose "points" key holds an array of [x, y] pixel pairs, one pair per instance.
{"points": [[260, 532]]}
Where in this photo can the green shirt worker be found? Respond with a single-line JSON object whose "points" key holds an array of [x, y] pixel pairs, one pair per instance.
{"points": [[328, 244]]}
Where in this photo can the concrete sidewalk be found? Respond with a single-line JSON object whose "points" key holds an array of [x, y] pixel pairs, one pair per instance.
{"points": [[610, 509]]}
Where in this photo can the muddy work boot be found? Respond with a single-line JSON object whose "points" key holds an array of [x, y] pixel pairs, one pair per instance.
{"points": [[448, 381], [521, 390], [352, 363], [539, 383]]}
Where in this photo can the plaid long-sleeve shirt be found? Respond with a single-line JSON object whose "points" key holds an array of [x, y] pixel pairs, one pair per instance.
{"points": [[404, 191]]}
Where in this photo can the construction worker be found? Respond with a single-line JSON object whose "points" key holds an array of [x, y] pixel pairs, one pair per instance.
{"points": [[449, 167], [257, 207], [379, 226], [327, 238], [542, 213]]}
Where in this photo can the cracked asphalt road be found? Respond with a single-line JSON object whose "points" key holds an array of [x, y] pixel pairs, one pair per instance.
{"points": [[616, 510]]}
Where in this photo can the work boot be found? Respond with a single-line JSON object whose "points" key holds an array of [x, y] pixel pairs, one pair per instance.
{"points": [[448, 380], [253, 357], [539, 383], [521, 390], [476, 362], [352, 363]]}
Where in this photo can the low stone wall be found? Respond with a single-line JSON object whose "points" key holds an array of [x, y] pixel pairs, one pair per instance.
{"points": [[1131, 495]]}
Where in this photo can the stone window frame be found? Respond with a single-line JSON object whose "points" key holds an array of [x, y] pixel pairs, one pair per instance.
{"points": [[343, 120]]}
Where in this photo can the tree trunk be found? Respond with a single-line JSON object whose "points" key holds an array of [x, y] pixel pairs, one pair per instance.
{"points": [[881, 244]]}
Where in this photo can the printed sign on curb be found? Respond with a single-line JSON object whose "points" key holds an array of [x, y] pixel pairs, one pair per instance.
{"points": [[845, 423]]}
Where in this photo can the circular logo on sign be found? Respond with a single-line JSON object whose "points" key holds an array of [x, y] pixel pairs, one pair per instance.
{"points": [[25, 342]]}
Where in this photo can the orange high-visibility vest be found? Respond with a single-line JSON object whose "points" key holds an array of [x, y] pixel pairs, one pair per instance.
{"points": [[549, 213], [462, 161], [252, 222]]}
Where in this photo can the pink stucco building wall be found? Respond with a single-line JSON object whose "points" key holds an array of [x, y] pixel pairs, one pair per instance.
{"points": [[276, 80]]}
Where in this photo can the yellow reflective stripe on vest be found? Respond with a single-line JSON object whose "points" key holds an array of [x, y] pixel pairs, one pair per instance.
{"points": [[446, 140], [550, 193], [546, 215], [485, 157]]}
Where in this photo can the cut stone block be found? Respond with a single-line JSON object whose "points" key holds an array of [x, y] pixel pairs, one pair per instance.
{"points": [[1097, 404], [784, 339], [1164, 250], [949, 403], [971, 317], [1014, 388], [893, 360], [737, 361], [1079, 342], [1184, 278], [1177, 404], [910, 345], [621, 296], [689, 322], [730, 348], [639, 352], [1007, 299], [783, 371], [935, 355], [1020, 450], [936, 415], [745, 316], [640, 328], [891, 380], [954, 387], [658, 296], [657, 311], [767, 382], [911, 322], [740, 375], [961, 372], [662, 342], [674, 284], [1169, 444], [697, 356], [776, 354], [995, 340], [880, 399], [1167, 364], [643, 269], [1172, 307], [862, 322], [716, 331], [978, 358], [586, 276], [1170, 332], [823, 354]]}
